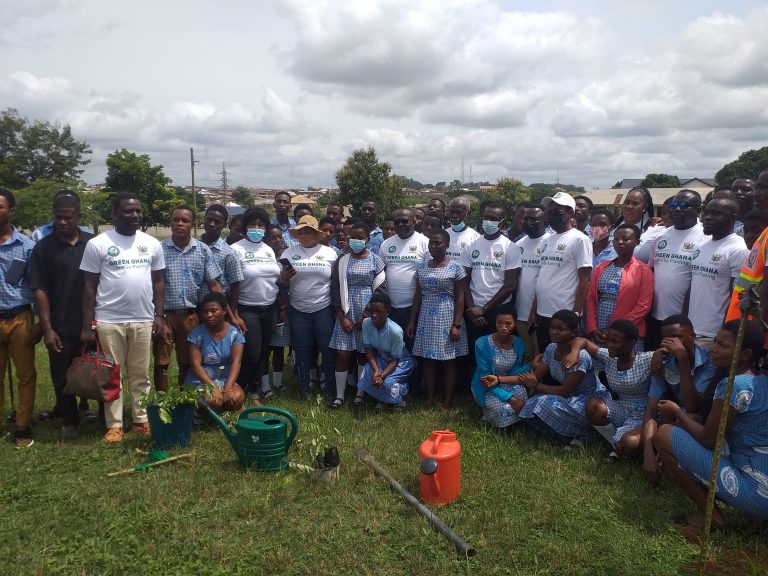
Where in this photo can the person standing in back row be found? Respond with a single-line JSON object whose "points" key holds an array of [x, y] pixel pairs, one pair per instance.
{"points": [[460, 234], [671, 262], [124, 305], [566, 264]]}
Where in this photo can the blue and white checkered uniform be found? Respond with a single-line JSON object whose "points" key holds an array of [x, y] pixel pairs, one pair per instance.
{"points": [[186, 271], [229, 264], [375, 238], [437, 313], [17, 247], [287, 239], [496, 412]]}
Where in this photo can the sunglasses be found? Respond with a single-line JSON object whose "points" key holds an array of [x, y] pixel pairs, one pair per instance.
{"points": [[682, 205]]}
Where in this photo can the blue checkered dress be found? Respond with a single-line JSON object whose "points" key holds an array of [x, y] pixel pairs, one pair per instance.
{"points": [[229, 263], [287, 239], [436, 314], [496, 412], [607, 293]]}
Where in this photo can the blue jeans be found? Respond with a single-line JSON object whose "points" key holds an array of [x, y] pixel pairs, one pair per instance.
{"points": [[313, 330]]}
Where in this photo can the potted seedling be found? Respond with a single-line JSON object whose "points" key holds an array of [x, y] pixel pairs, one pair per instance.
{"points": [[171, 413], [324, 459]]}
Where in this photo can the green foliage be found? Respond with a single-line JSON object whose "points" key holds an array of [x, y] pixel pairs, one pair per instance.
{"points": [[242, 195], [185, 197], [363, 177], [34, 202], [128, 172], [748, 165], [38, 150], [660, 181], [328, 199], [541, 190], [511, 192], [167, 400]]}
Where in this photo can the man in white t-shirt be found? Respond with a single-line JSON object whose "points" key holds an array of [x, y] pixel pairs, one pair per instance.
{"points": [[123, 304], [535, 228], [566, 264], [714, 265], [402, 254], [492, 264], [460, 234], [671, 263]]}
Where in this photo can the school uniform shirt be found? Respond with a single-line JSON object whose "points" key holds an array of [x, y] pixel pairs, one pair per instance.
{"points": [[713, 265], [125, 265], [702, 372], [17, 247], [488, 262], [228, 261], [260, 271], [186, 270], [402, 256], [287, 238], [459, 241], [530, 262], [671, 263], [310, 288], [562, 256]]}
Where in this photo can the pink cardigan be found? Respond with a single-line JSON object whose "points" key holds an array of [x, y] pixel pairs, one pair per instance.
{"points": [[635, 295]]}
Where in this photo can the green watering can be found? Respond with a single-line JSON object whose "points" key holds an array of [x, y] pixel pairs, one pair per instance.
{"points": [[260, 442]]}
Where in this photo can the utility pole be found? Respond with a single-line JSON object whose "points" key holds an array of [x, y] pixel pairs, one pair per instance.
{"points": [[192, 163], [462, 168], [223, 183]]}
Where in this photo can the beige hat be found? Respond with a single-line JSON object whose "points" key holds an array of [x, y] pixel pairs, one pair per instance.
{"points": [[306, 222]]}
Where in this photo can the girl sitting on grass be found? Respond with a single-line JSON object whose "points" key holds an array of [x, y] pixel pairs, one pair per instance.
{"points": [[216, 353], [686, 447], [497, 385], [389, 363], [559, 410]]}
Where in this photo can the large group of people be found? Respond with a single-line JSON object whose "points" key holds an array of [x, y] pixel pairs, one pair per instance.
{"points": [[579, 322]]}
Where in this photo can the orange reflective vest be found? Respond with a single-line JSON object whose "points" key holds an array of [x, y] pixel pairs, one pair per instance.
{"points": [[752, 272]]}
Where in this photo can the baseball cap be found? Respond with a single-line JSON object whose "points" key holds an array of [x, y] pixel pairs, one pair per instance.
{"points": [[562, 198]]}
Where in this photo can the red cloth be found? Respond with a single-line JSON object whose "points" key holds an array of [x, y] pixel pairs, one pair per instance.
{"points": [[635, 295]]}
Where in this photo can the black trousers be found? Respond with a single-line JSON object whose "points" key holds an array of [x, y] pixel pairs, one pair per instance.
{"points": [[542, 332], [59, 363]]}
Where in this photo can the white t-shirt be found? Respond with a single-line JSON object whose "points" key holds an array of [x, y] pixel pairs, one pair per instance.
{"points": [[310, 288], [530, 259], [714, 264], [562, 255], [459, 241], [260, 272], [671, 263], [489, 261], [402, 257], [125, 265], [648, 241]]}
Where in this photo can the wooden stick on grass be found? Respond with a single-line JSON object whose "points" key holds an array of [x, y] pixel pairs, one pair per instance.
{"points": [[149, 465]]}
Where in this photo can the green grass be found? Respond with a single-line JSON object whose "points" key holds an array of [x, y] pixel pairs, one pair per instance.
{"points": [[528, 507]]}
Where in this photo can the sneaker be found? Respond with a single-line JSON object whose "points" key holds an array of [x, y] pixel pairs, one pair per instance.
{"points": [[88, 415], [70, 432], [113, 435], [574, 445], [141, 428], [22, 443], [358, 401], [268, 395]]}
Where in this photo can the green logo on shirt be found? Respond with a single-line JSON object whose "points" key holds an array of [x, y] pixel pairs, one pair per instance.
{"points": [[392, 249], [662, 245], [113, 251], [475, 253], [296, 257], [249, 255], [696, 254]]}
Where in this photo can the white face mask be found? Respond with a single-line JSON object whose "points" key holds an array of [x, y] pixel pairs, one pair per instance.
{"points": [[490, 227], [458, 227]]}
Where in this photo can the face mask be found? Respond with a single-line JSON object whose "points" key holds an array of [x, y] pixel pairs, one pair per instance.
{"points": [[458, 227], [255, 234], [598, 233], [357, 246], [555, 219], [490, 227]]}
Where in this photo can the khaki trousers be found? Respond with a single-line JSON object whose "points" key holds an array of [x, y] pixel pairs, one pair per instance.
{"points": [[129, 344], [14, 334]]}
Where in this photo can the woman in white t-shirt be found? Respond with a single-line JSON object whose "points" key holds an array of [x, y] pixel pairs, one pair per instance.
{"points": [[306, 273], [257, 295]]}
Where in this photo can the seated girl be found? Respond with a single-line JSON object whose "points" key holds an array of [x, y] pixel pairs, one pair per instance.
{"points": [[628, 374], [389, 363], [496, 385], [559, 410], [216, 353], [686, 447]]}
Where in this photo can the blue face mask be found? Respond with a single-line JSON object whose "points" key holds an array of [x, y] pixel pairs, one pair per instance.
{"points": [[357, 246], [490, 227], [458, 227], [255, 234]]}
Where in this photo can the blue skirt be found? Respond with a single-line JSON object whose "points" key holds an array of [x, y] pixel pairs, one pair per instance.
{"points": [[395, 386]]}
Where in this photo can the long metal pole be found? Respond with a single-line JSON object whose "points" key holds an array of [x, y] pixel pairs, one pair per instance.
{"points": [[461, 545], [194, 195]]}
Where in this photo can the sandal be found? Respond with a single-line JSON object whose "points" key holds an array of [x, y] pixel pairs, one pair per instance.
{"points": [[358, 401], [337, 403]]}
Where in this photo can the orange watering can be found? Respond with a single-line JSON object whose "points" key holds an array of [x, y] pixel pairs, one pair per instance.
{"points": [[440, 477]]}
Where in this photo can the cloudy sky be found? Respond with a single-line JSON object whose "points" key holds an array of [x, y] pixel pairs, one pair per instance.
{"points": [[591, 91]]}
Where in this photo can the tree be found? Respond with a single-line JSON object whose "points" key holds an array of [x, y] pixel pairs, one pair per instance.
{"points": [[37, 150], [660, 181], [541, 190], [242, 195], [511, 192], [128, 172], [748, 165], [185, 197], [363, 177], [34, 202]]}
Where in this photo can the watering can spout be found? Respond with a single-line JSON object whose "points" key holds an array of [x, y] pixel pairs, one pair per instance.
{"points": [[228, 432]]}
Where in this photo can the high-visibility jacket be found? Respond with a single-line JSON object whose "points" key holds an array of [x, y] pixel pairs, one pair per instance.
{"points": [[752, 272]]}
